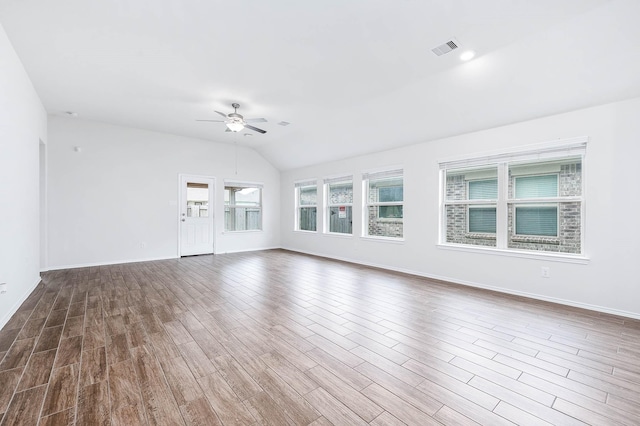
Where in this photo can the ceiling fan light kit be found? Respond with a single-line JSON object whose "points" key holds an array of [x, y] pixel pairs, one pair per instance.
{"points": [[236, 122]]}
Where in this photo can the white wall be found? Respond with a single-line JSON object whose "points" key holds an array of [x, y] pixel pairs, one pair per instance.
{"points": [[121, 190], [609, 282], [23, 124]]}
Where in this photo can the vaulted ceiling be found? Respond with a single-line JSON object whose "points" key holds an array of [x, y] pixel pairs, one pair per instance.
{"points": [[351, 76]]}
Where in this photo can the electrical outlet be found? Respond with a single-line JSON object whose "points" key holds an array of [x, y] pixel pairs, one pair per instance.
{"points": [[545, 272], [143, 245], [3, 288]]}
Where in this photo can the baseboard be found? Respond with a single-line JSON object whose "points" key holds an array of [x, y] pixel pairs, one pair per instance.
{"points": [[572, 303], [113, 262], [7, 316], [248, 250], [150, 259]]}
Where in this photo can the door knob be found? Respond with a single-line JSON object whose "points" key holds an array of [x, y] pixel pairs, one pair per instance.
{"points": [[183, 219]]}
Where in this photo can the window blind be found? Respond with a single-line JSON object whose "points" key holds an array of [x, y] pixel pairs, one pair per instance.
{"points": [[383, 174], [542, 221], [308, 182], [483, 189], [233, 184], [482, 219], [537, 186], [340, 179], [565, 148]]}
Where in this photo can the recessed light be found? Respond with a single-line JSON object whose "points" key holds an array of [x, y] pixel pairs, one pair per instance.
{"points": [[468, 55], [71, 114]]}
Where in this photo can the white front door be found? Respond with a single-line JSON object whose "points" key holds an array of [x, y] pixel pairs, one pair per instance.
{"points": [[196, 215]]}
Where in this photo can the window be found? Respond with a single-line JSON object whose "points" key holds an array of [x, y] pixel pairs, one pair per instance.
{"points": [[384, 207], [197, 199], [471, 205], [531, 200], [306, 205], [540, 219], [339, 218], [242, 206], [390, 194], [482, 218]]}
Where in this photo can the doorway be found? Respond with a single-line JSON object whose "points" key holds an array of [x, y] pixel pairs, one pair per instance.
{"points": [[196, 215], [44, 262]]}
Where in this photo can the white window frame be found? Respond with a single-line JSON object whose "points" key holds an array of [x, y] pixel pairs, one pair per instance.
{"points": [[488, 203], [574, 147], [519, 204], [238, 184], [377, 175], [298, 186], [327, 210]]}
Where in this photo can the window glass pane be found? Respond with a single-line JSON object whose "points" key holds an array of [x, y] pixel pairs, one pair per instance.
{"points": [[249, 196], [481, 224], [390, 194], [341, 193], [307, 218], [383, 227], [482, 219], [197, 199], [243, 210], [308, 195], [385, 221], [390, 212], [547, 227], [386, 190], [535, 179], [541, 220], [340, 219], [242, 219], [537, 186], [195, 209], [483, 189], [480, 183]]}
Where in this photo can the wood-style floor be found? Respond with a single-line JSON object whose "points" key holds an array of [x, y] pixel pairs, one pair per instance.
{"points": [[280, 338]]}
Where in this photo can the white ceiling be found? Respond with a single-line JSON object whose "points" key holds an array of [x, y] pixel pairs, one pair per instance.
{"points": [[352, 76]]}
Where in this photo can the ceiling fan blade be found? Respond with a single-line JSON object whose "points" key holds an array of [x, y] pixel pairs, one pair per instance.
{"points": [[222, 114], [255, 120], [248, 126], [214, 121]]}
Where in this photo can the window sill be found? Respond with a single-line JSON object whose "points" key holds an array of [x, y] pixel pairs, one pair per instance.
{"points": [[532, 239], [392, 240], [548, 256], [337, 234], [481, 236], [246, 231], [304, 231]]}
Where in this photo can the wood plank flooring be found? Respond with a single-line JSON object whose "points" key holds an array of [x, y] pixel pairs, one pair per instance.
{"points": [[280, 338]]}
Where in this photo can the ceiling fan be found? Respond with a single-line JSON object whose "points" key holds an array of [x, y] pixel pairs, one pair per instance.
{"points": [[236, 122]]}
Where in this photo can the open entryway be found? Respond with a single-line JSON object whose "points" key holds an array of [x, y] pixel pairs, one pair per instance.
{"points": [[196, 219]]}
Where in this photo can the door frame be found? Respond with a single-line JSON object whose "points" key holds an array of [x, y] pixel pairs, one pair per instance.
{"points": [[212, 208]]}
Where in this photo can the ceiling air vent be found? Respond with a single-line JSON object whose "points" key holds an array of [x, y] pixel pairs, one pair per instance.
{"points": [[446, 47], [284, 123]]}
